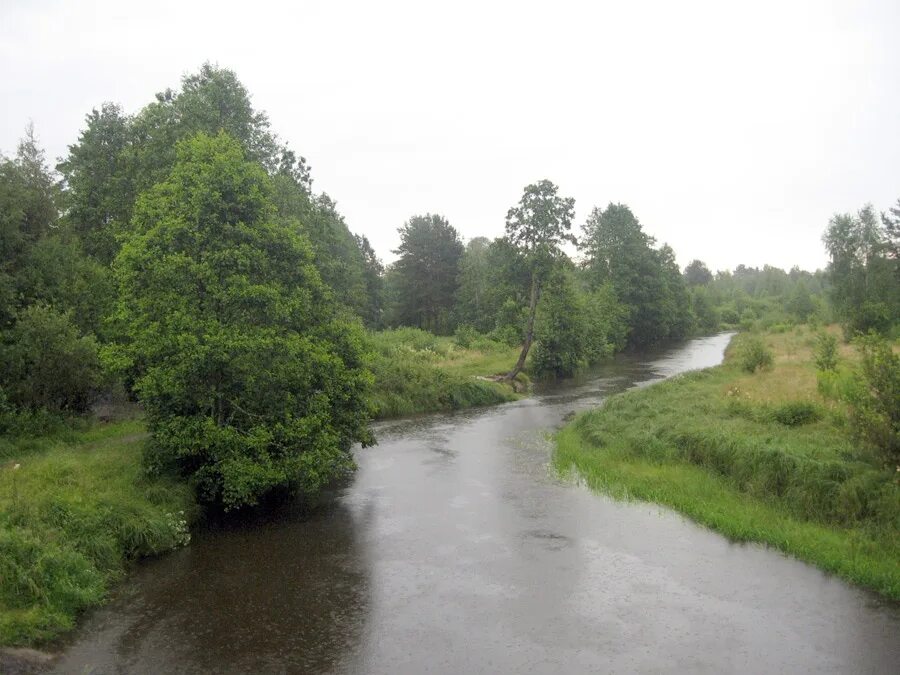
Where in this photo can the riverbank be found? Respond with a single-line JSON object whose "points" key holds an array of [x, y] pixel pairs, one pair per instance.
{"points": [[76, 506], [74, 509], [417, 372], [758, 457]]}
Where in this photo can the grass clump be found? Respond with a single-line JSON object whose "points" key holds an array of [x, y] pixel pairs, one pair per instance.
{"points": [[74, 510], [759, 457]]}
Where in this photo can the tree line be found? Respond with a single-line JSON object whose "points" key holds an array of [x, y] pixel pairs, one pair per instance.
{"points": [[182, 255]]}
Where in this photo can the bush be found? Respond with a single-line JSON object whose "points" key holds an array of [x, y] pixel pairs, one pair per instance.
{"points": [[415, 339], [875, 401], [47, 364], [507, 335], [796, 413], [561, 345], [465, 335], [754, 355], [825, 352]]}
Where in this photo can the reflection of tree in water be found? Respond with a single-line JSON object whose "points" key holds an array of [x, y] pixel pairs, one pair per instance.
{"points": [[289, 594]]}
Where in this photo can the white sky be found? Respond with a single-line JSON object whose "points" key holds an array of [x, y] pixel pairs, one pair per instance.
{"points": [[733, 130]]}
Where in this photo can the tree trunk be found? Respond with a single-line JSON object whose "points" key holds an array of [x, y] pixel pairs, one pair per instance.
{"points": [[529, 331]]}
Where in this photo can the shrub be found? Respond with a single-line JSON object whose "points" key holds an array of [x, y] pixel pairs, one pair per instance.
{"points": [[796, 413], [754, 355], [47, 365], [561, 332], [825, 352], [507, 335], [875, 401], [465, 335]]}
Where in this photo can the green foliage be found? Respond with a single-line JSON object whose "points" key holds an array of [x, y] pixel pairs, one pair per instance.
{"points": [[825, 352], [46, 364], [875, 400], [705, 313], [606, 322], [249, 374], [864, 272], [465, 335], [561, 330], [697, 274], [796, 413], [536, 228], [118, 157], [427, 273], [417, 372], [783, 472], [646, 280], [72, 515], [477, 280], [99, 176], [753, 354]]}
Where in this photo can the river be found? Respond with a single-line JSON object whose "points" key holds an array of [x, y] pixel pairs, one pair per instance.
{"points": [[455, 549]]}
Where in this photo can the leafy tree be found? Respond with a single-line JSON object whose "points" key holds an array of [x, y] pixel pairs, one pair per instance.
{"points": [[536, 228], [427, 272], [697, 274], [874, 398], [704, 310], [373, 278], [561, 333], [39, 260], [801, 303], [891, 222], [825, 352], [250, 375], [47, 364], [98, 179], [474, 276], [679, 321], [864, 277], [647, 281]]}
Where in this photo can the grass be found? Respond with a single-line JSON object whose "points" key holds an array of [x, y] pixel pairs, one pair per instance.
{"points": [[76, 505], [758, 457], [74, 509], [417, 372]]}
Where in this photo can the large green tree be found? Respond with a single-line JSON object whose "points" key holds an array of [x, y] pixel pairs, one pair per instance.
{"points": [[537, 227], [864, 278], [427, 272], [117, 157], [250, 374], [98, 179], [646, 280], [697, 274]]}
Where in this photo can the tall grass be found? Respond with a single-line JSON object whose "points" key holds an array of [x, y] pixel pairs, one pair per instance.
{"points": [[73, 512], [758, 457], [417, 372]]}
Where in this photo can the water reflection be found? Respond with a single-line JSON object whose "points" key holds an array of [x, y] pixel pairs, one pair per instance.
{"points": [[288, 592]]}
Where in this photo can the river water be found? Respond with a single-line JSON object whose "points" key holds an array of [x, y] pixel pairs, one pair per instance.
{"points": [[455, 549]]}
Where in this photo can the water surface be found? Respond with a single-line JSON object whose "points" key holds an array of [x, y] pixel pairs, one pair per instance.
{"points": [[456, 550]]}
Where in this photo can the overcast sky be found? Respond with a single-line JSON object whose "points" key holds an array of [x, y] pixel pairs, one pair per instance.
{"points": [[733, 130]]}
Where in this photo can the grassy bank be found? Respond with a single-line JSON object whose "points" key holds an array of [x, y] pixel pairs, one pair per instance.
{"points": [[758, 457], [76, 506], [74, 509], [417, 372]]}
